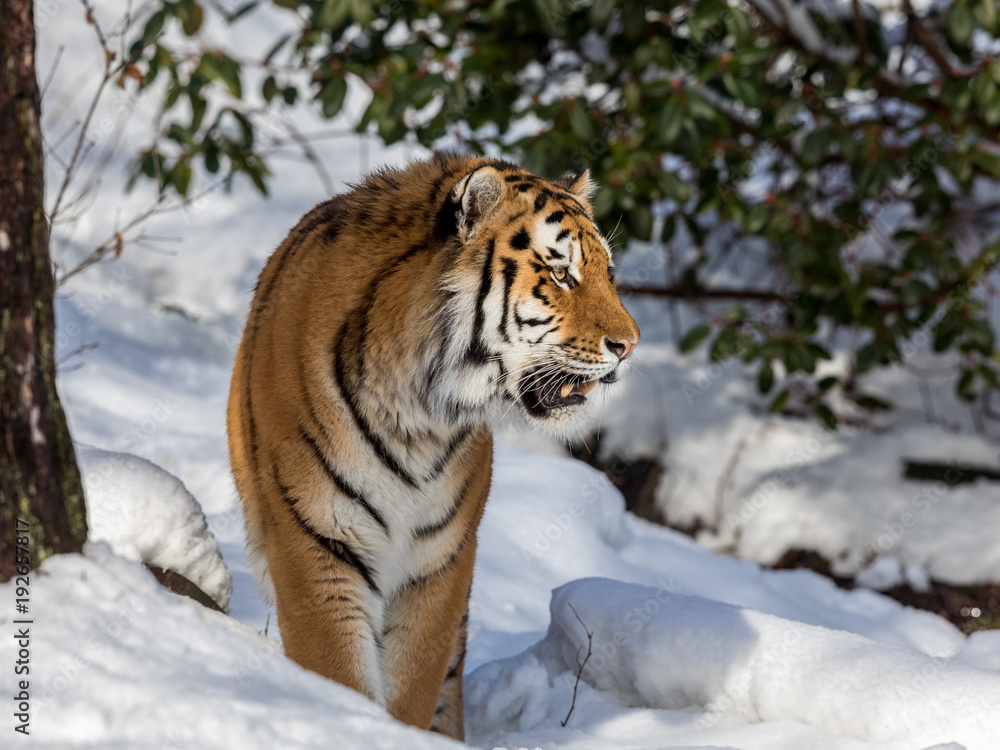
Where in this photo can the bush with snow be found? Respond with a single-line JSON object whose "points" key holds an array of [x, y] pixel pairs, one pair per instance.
{"points": [[146, 514]]}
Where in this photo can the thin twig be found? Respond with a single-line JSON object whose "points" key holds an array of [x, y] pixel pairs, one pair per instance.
{"points": [[859, 32], [583, 664], [925, 396], [697, 293], [52, 71], [82, 349], [109, 58], [311, 157], [727, 472], [929, 41]]}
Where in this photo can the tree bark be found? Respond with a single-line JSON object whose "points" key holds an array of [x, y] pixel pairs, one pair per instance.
{"points": [[39, 478]]}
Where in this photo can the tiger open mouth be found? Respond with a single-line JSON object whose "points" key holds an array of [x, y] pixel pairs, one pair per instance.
{"points": [[541, 392]]}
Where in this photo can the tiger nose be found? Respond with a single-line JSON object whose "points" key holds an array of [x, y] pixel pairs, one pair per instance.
{"points": [[622, 348]]}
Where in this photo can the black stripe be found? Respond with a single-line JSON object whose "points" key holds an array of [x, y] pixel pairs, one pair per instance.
{"points": [[531, 321], [340, 483], [338, 549], [376, 442], [555, 253], [364, 312], [501, 381], [438, 182], [509, 274], [539, 339], [436, 368], [536, 291], [448, 453], [521, 240], [446, 221], [478, 353], [541, 200], [562, 235], [456, 670], [555, 217], [426, 531], [502, 165], [470, 533]]}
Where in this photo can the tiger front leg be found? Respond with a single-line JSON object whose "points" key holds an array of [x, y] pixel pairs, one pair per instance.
{"points": [[424, 647], [329, 615], [449, 716]]}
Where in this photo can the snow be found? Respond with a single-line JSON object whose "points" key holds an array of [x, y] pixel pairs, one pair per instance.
{"points": [[119, 662], [146, 514], [727, 654], [698, 655]]}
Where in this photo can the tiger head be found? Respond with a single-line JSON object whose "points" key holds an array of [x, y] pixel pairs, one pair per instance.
{"points": [[547, 325]]}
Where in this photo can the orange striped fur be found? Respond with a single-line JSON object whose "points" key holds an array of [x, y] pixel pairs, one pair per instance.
{"points": [[388, 331]]}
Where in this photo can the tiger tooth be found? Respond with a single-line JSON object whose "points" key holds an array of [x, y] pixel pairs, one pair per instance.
{"points": [[585, 388], [567, 388]]}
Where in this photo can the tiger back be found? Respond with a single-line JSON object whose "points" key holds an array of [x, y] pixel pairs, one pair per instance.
{"points": [[393, 325]]}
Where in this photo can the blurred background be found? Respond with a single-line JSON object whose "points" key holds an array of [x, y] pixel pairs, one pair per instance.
{"points": [[803, 197]]}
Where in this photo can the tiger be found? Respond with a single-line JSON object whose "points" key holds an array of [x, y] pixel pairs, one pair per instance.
{"points": [[396, 323]]}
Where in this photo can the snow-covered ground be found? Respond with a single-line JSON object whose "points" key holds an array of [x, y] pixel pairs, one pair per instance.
{"points": [[690, 647]]}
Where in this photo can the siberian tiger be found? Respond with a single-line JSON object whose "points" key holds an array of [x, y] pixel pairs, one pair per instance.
{"points": [[386, 333]]}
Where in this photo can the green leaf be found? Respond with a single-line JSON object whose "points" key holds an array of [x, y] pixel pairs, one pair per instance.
{"points": [[742, 89], [964, 388], [867, 357], [984, 90], [989, 375], [670, 122], [332, 14], [960, 24], [269, 89], [871, 403], [601, 12], [332, 97], [986, 13], [153, 27], [180, 176], [765, 378], [778, 403], [694, 338], [826, 416], [815, 145], [827, 383], [581, 124]]}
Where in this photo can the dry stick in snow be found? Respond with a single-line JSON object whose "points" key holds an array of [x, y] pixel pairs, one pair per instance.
{"points": [[579, 673]]}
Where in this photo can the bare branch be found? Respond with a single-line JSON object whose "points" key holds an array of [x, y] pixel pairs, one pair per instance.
{"points": [[310, 154], [697, 293], [52, 71], [928, 39], [78, 148], [859, 32], [583, 664]]}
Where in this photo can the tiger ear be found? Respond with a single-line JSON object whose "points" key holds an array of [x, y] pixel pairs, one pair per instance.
{"points": [[580, 185], [478, 195]]}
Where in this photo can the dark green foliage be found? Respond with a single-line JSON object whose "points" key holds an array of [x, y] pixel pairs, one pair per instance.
{"points": [[807, 133]]}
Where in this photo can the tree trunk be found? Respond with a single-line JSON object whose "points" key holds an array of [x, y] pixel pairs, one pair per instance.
{"points": [[41, 494]]}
